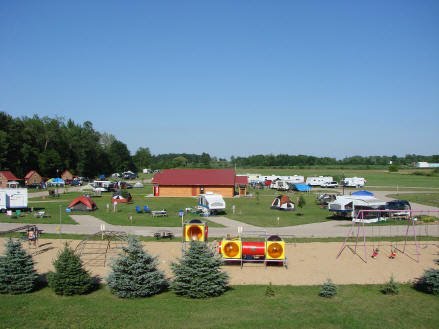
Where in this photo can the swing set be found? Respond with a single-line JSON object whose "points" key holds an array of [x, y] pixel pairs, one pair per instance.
{"points": [[358, 231]]}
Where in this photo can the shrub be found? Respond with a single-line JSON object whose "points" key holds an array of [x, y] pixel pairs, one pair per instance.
{"points": [[17, 271], [69, 278], [198, 273], [135, 273], [393, 168], [429, 282], [269, 291], [328, 290], [391, 287]]}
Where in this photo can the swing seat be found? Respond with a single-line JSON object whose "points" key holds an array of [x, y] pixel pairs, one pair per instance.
{"points": [[392, 255]]}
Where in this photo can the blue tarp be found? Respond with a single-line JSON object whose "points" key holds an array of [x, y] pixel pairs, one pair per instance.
{"points": [[363, 193], [302, 187]]}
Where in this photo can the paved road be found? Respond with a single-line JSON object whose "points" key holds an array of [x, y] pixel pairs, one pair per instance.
{"points": [[88, 224]]}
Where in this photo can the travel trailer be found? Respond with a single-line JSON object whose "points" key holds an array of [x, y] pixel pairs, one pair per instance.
{"points": [[318, 181], [354, 182], [211, 202], [280, 185], [101, 185], [13, 198]]}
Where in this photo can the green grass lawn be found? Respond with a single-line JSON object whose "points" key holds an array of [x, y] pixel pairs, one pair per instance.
{"points": [[54, 208], [360, 306], [430, 199], [257, 211]]}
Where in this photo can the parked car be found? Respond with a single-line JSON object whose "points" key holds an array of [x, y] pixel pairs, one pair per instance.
{"points": [[329, 184], [400, 208]]}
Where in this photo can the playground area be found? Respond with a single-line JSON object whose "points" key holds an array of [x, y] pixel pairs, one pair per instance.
{"points": [[308, 263]]}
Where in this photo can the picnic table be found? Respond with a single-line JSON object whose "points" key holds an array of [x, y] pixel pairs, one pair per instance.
{"points": [[159, 213], [163, 234]]}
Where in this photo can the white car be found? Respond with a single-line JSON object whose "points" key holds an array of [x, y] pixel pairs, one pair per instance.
{"points": [[329, 184]]}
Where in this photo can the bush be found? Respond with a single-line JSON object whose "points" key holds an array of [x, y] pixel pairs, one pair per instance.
{"points": [[269, 292], [328, 290], [17, 271], [391, 287], [69, 278], [198, 273], [393, 168], [429, 282], [135, 274]]}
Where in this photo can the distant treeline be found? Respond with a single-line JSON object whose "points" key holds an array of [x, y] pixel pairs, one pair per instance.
{"points": [[50, 145], [284, 160]]}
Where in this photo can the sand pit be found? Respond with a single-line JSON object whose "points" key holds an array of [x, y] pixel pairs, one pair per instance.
{"points": [[308, 263]]}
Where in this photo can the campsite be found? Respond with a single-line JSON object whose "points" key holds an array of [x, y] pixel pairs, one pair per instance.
{"points": [[310, 261]]}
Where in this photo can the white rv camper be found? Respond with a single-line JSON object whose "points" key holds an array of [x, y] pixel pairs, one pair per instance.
{"points": [[211, 202], [101, 185], [13, 198], [280, 185], [354, 182], [317, 181]]}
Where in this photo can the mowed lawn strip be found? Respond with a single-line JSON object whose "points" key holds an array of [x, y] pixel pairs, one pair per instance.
{"points": [[429, 199], [361, 306]]}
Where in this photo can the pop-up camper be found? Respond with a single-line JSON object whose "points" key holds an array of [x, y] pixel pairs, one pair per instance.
{"points": [[211, 202]]}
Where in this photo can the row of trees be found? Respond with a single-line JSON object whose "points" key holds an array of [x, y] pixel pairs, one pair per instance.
{"points": [[51, 145], [133, 274]]}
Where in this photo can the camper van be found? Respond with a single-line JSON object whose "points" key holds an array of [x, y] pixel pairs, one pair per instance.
{"points": [[13, 198], [354, 182], [211, 202], [318, 181]]}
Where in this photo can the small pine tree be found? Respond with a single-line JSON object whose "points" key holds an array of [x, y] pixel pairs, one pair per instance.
{"points": [[69, 278], [198, 273], [17, 271], [429, 282], [135, 273], [269, 291], [391, 287], [301, 202], [328, 290]]}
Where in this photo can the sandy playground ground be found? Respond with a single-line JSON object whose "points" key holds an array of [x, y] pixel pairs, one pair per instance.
{"points": [[308, 263]]}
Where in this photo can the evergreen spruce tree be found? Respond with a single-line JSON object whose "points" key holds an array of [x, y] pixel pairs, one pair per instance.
{"points": [[69, 278], [135, 274], [17, 272], [269, 291], [429, 282], [198, 273], [328, 289], [391, 287]]}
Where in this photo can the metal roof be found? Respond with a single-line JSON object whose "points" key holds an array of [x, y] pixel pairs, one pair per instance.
{"points": [[198, 177]]}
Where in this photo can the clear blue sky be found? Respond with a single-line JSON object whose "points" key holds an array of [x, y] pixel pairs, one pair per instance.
{"points": [[230, 77]]}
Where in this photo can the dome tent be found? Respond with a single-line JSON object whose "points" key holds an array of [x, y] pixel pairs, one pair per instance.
{"points": [[282, 202], [82, 203]]}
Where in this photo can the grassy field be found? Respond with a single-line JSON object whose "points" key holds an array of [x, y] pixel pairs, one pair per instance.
{"points": [[430, 199], [361, 306]]}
